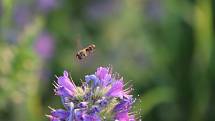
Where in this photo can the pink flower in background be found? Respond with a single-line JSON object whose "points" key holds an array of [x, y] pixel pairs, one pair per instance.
{"points": [[44, 45]]}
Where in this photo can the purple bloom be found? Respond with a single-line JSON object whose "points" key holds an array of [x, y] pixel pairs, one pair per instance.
{"points": [[103, 75], [124, 116], [22, 15], [124, 105], [116, 89], [93, 78], [93, 117], [44, 45], [101, 97], [102, 102], [83, 105], [60, 113], [65, 86], [81, 115], [52, 118]]}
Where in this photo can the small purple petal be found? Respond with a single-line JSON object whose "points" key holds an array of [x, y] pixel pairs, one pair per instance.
{"points": [[92, 117], [131, 118], [83, 105], [60, 113], [104, 76], [65, 81], [116, 90], [95, 109], [79, 116], [102, 102], [65, 74], [71, 106], [106, 80], [62, 91], [124, 105], [102, 72], [95, 80], [66, 87], [122, 116], [52, 118]]}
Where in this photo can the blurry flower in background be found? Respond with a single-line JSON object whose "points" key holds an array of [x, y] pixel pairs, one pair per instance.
{"points": [[44, 45], [46, 5], [22, 15], [101, 97], [98, 10]]}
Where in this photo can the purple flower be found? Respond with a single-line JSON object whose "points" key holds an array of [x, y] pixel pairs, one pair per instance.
{"points": [[22, 15], [124, 105], [116, 89], [44, 45], [102, 102], [103, 75], [81, 115], [101, 97], [52, 118], [65, 86], [92, 117], [83, 104], [124, 116], [60, 114], [93, 78]]}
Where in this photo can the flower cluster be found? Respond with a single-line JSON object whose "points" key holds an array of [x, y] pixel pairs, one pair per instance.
{"points": [[100, 97]]}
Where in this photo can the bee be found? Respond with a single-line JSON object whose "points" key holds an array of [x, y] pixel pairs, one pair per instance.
{"points": [[83, 53]]}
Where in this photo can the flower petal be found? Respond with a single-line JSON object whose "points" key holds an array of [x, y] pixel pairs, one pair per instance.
{"points": [[124, 116], [66, 82], [102, 72], [116, 89], [92, 117], [124, 105], [93, 78], [104, 76], [60, 113], [62, 91], [52, 118]]}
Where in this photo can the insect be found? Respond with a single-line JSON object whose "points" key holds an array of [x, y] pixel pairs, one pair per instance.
{"points": [[83, 53]]}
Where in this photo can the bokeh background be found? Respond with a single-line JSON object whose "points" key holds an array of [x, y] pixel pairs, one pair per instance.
{"points": [[164, 48]]}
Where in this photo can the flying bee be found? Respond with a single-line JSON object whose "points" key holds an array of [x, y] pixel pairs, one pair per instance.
{"points": [[81, 54]]}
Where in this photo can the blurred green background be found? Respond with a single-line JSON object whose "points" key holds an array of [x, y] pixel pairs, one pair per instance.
{"points": [[164, 48]]}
